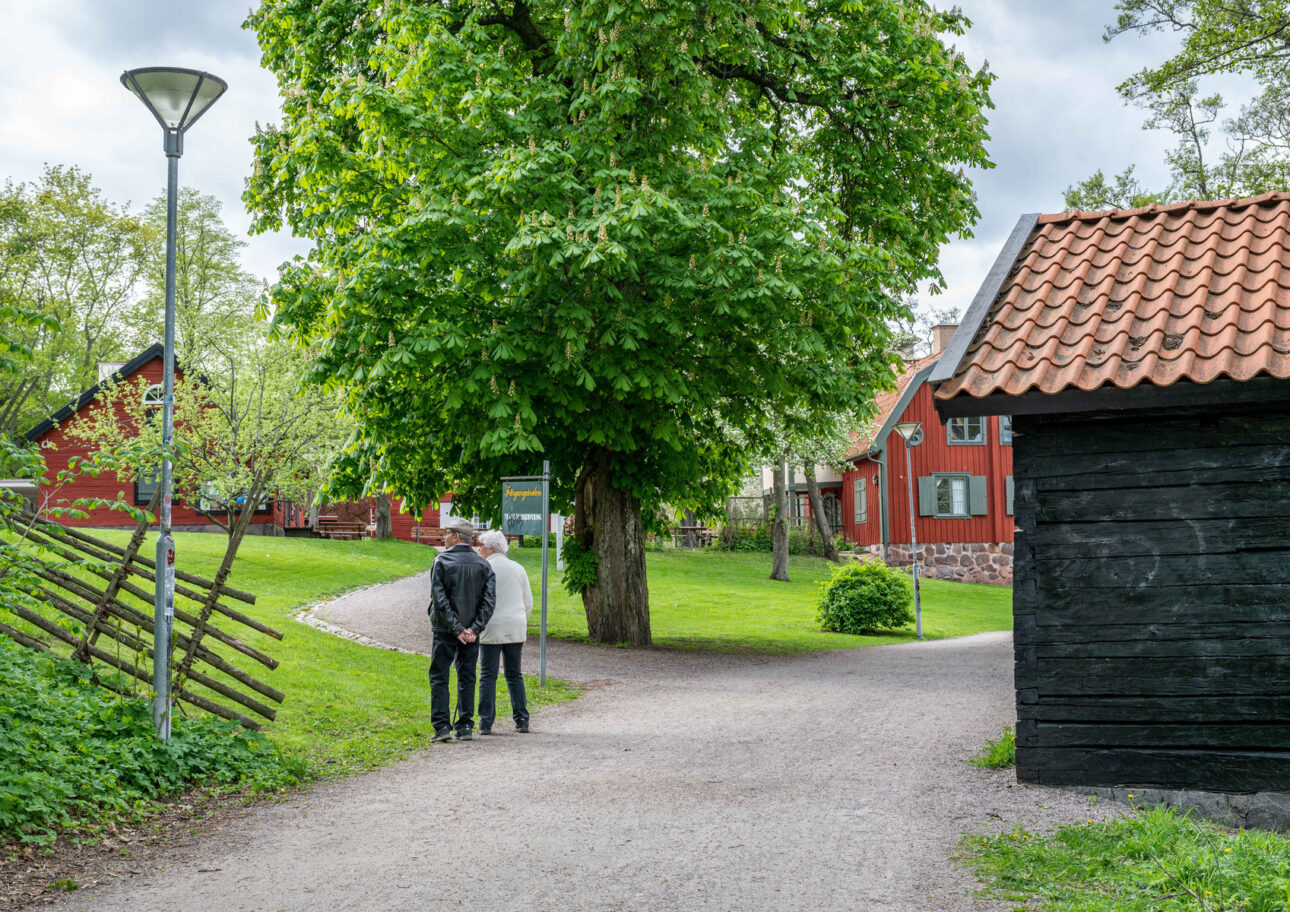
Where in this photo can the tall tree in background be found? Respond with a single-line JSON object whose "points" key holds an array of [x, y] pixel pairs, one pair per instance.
{"points": [[618, 236], [213, 293], [1216, 39], [74, 258]]}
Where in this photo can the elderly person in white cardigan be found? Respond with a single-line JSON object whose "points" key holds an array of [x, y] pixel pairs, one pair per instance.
{"points": [[503, 638]]}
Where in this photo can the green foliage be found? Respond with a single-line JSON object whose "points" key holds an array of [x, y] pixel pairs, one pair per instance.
{"points": [[1155, 861], [1216, 40], [1123, 191], [73, 755], [1000, 753], [749, 538], [627, 232], [580, 565], [862, 597]]}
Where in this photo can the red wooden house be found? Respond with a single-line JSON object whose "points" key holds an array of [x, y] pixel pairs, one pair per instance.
{"points": [[277, 517], [58, 449], [962, 484]]}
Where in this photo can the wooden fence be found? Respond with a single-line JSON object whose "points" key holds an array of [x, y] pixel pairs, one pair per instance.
{"points": [[89, 618]]}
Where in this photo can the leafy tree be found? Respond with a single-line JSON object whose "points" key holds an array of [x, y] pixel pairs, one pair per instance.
{"points": [[244, 432], [1123, 191], [619, 236], [213, 293], [74, 258], [1216, 39]]}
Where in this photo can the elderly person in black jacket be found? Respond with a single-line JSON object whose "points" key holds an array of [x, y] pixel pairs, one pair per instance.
{"points": [[462, 596]]}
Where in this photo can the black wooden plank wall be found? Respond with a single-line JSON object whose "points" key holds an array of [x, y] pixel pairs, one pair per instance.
{"points": [[1152, 600]]}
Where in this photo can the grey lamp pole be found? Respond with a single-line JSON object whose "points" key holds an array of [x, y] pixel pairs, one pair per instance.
{"points": [[912, 433], [176, 97]]}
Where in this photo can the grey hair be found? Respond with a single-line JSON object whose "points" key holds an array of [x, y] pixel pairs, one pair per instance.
{"points": [[494, 541]]}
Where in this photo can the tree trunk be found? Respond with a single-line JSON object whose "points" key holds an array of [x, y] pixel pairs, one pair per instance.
{"points": [[691, 537], [779, 527], [817, 513], [607, 522], [384, 527]]}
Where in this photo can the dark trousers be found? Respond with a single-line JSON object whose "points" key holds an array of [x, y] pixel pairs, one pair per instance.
{"points": [[509, 654], [447, 653]]}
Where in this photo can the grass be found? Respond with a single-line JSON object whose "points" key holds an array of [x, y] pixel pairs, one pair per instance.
{"points": [[726, 602], [1158, 860], [349, 707], [1001, 753]]}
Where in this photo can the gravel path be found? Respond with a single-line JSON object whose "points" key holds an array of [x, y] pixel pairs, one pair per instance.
{"points": [[681, 781]]}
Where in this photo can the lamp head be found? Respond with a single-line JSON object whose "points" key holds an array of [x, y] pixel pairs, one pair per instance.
{"points": [[911, 432], [177, 97]]}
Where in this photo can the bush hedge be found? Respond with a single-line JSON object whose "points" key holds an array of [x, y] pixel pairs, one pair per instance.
{"points": [[75, 756], [865, 597]]}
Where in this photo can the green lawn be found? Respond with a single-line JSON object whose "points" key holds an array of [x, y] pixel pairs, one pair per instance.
{"points": [[348, 706], [724, 602]]}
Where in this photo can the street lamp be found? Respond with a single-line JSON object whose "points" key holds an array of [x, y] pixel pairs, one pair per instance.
{"points": [[912, 433], [177, 98]]}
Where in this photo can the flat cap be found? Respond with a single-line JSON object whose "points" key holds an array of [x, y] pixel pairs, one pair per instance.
{"points": [[463, 527]]}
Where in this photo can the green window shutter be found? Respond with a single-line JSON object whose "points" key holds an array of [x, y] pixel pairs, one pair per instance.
{"points": [[1008, 486], [977, 498], [859, 487], [927, 496]]}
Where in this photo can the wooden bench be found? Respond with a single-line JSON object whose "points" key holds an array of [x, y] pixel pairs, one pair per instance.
{"points": [[341, 530]]}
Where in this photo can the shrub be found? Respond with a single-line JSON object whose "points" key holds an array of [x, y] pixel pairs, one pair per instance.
{"points": [[999, 754], [864, 597], [75, 756]]}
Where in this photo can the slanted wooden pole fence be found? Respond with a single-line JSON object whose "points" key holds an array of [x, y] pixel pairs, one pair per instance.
{"points": [[71, 561]]}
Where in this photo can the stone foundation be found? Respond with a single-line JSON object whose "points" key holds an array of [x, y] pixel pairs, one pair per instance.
{"points": [[963, 562], [1259, 810]]}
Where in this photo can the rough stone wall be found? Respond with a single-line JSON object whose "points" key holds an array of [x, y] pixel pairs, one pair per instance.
{"points": [[964, 562]]}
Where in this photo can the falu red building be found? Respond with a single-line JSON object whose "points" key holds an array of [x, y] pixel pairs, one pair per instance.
{"points": [[276, 517], [962, 484]]}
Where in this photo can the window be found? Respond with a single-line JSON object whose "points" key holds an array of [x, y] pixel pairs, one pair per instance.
{"points": [[1005, 430], [154, 398], [966, 431], [861, 499], [145, 485], [952, 496]]}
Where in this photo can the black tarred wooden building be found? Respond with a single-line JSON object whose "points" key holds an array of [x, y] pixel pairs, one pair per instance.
{"points": [[1143, 356]]}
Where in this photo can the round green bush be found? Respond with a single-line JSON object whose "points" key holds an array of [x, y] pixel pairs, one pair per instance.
{"points": [[864, 597]]}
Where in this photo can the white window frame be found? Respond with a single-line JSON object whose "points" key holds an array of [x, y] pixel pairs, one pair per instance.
{"points": [[950, 479], [1005, 430], [977, 439]]}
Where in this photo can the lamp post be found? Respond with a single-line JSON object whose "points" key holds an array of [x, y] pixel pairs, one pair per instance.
{"points": [[177, 98], [912, 433]]}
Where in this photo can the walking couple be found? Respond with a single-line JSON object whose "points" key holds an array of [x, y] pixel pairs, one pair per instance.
{"points": [[479, 611]]}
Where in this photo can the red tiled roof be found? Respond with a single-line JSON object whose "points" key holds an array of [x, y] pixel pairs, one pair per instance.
{"points": [[1191, 291], [884, 403]]}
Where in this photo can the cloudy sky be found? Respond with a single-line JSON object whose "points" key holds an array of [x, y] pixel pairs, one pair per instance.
{"points": [[1057, 115]]}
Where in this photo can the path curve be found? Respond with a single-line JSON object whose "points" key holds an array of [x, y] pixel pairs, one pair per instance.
{"points": [[688, 782]]}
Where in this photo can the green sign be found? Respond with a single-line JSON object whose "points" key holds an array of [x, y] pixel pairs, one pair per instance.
{"points": [[522, 508]]}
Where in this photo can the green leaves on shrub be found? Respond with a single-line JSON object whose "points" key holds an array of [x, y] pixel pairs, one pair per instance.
{"points": [[865, 597], [73, 755]]}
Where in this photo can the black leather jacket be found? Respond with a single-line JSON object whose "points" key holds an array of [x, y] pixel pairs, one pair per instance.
{"points": [[463, 591]]}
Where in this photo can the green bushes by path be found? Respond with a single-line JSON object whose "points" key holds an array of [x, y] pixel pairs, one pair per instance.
{"points": [[726, 602], [865, 598], [1155, 861], [73, 755]]}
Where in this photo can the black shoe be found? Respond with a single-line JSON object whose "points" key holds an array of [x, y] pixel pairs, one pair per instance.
{"points": [[485, 731], [522, 727], [464, 734], [442, 736]]}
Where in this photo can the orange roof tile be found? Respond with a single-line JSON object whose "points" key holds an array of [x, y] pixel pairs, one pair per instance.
{"points": [[1191, 291], [885, 403]]}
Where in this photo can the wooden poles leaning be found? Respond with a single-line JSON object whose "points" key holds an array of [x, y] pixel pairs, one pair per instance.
{"points": [[109, 626]]}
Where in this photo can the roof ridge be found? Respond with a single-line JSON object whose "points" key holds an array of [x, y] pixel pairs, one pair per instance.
{"points": [[1079, 215]]}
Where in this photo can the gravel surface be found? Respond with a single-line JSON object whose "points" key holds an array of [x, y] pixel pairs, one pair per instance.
{"points": [[679, 781]]}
